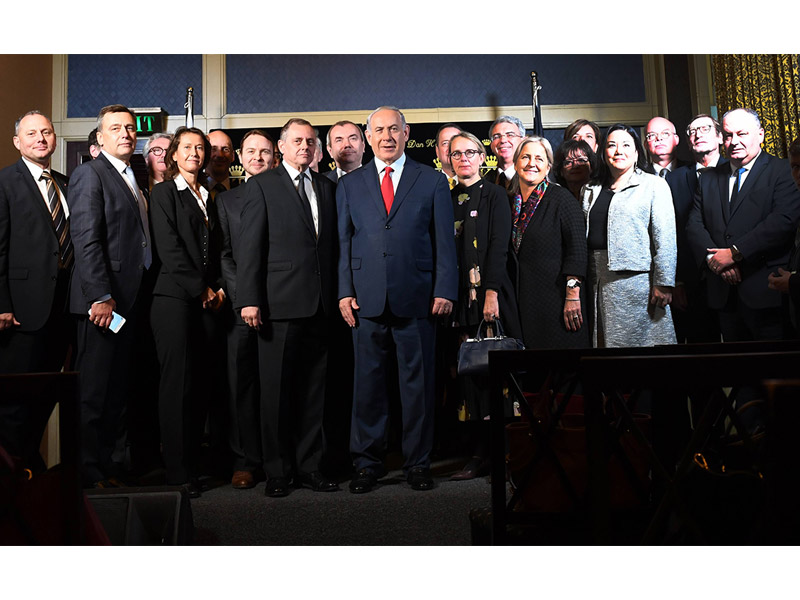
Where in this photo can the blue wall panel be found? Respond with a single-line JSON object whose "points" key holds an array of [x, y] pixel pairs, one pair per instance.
{"points": [[302, 83], [142, 80]]}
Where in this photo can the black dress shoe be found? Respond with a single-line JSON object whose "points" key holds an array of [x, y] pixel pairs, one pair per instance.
{"points": [[316, 481], [363, 482], [419, 478], [277, 487]]}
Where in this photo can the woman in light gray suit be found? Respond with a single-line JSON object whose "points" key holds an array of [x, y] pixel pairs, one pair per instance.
{"points": [[630, 224]]}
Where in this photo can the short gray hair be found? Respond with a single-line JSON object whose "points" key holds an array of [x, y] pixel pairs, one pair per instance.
{"points": [[153, 138], [749, 111], [380, 108], [28, 114], [508, 119]]}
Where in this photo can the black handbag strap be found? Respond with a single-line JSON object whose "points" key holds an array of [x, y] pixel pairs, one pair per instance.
{"points": [[499, 333]]}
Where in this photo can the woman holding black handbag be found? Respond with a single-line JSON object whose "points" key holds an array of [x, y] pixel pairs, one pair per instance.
{"points": [[482, 232]]}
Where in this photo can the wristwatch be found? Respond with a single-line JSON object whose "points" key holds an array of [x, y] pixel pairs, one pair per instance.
{"points": [[573, 283], [736, 255]]}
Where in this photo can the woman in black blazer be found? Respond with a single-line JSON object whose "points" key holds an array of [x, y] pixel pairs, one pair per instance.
{"points": [[186, 300], [482, 233]]}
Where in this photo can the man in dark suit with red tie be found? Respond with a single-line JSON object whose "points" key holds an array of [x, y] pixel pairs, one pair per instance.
{"points": [[397, 274], [111, 234], [286, 261], [36, 258]]}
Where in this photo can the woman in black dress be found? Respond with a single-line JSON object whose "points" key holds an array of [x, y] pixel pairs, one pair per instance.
{"points": [[187, 297], [482, 230], [549, 252]]}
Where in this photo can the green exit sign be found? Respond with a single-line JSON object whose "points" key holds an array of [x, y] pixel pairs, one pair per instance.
{"points": [[149, 121]]}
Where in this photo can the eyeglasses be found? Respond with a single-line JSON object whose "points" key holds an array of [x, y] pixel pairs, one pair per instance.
{"points": [[468, 153], [576, 161], [652, 136], [157, 151], [510, 136], [702, 130]]}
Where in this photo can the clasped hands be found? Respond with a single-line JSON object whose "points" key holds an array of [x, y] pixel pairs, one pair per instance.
{"points": [[720, 262]]}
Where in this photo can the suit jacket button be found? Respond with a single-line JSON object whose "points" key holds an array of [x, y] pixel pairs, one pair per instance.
{"points": [[387, 227], [144, 244]]}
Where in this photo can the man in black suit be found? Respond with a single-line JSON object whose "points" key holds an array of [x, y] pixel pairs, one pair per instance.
{"points": [[111, 233], [742, 228], [284, 288], [505, 134], [694, 322], [256, 153], [36, 258], [346, 144]]}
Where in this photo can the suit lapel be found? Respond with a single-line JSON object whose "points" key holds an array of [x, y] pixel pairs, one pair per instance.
{"points": [[752, 177], [34, 193], [723, 189], [373, 184], [407, 179], [119, 182]]}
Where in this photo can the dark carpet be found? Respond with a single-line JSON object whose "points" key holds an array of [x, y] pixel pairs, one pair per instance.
{"points": [[392, 514]]}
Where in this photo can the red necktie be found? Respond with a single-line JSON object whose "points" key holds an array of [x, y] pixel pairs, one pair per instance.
{"points": [[387, 189]]}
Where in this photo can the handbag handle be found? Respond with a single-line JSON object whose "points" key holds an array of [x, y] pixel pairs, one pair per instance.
{"points": [[499, 333]]}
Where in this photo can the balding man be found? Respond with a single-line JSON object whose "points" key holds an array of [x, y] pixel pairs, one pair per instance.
{"points": [[36, 259], [662, 141]]}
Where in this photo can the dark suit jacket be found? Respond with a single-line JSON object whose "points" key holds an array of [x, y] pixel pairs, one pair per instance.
{"points": [[108, 235], [407, 257], [229, 212], [683, 185], [28, 247], [188, 251], [332, 175], [761, 224], [282, 266]]}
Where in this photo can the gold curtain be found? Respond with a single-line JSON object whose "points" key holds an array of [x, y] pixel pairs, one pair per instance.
{"points": [[767, 83]]}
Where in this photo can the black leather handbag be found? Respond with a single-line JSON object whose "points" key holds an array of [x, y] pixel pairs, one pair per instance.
{"points": [[473, 354]]}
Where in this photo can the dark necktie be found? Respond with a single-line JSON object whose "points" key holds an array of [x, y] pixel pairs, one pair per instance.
{"points": [[301, 189], [217, 189], [59, 222], [736, 185], [663, 172], [387, 189]]}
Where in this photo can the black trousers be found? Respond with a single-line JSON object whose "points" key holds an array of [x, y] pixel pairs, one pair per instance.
{"points": [[106, 368], [23, 420], [244, 391], [292, 358], [191, 353]]}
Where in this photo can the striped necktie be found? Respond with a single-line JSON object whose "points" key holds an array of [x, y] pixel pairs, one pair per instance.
{"points": [[59, 222]]}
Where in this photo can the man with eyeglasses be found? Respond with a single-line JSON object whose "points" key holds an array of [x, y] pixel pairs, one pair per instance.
{"points": [[662, 140], [505, 134], [155, 153], [694, 321]]}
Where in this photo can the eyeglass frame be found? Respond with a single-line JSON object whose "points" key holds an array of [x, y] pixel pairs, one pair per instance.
{"points": [[661, 135], [469, 152]]}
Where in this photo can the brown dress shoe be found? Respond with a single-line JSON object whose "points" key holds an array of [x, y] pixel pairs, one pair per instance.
{"points": [[243, 480]]}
